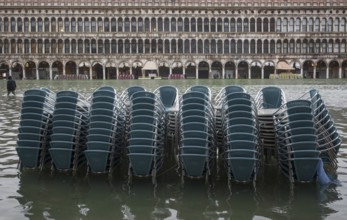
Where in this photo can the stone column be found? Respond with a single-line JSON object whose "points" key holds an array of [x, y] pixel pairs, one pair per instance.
{"points": [[314, 71], [184, 71], [249, 72], [37, 73], [262, 72], [223, 72], [327, 72], [90, 72], [340, 72], [196, 72], [50, 72], [236, 72], [103, 72]]}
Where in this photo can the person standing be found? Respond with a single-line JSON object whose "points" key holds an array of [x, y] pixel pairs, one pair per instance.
{"points": [[11, 86]]}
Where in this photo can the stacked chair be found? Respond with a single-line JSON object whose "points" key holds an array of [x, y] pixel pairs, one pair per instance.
{"points": [[297, 140], [197, 134], [105, 140], [70, 126], [268, 100], [328, 138], [170, 98], [218, 101], [241, 149], [35, 128], [146, 134]]}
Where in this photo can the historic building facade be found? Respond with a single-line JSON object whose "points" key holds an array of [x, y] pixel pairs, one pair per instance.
{"points": [[108, 39]]}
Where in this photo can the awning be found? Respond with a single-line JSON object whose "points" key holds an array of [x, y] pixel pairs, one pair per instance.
{"points": [[283, 66], [150, 65]]}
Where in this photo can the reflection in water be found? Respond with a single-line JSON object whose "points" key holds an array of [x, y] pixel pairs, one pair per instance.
{"points": [[46, 195]]}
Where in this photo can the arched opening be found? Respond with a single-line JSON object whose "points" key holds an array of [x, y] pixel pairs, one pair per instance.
{"points": [[17, 71], [97, 71], [84, 70], [137, 69], [308, 67], [321, 71], [70, 68], [203, 70], [124, 71], [164, 70], [111, 71], [230, 70], [242, 70], [217, 70], [333, 69], [177, 71], [269, 68], [190, 70], [256, 70], [344, 69], [4, 71], [30, 70], [57, 69], [44, 70]]}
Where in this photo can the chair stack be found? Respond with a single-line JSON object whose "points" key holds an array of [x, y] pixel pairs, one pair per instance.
{"points": [[297, 140], [146, 134], [218, 100], [68, 139], [268, 100], [328, 137], [241, 150], [35, 128], [105, 140], [197, 133], [170, 98]]}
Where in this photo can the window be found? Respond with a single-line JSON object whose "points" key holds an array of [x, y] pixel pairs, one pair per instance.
{"points": [[120, 46], [213, 25], [252, 28], [86, 25], [246, 47], [173, 46], [80, 25], [107, 26], [193, 25], [173, 25], [47, 46], [73, 46], [80, 46], [310, 24], [166, 25], [304, 25], [213, 46], [19, 25], [46, 25], [285, 25], [226, 25], [206, 46], [232, 46], [180, 25], [199, 25], [6, 24], [232, 25], [266, 46], [266, 25], [206, 25], [120, 27], [93, 22], [239, 25], [147, 29], [186, 47], [67, 25], [13, 25], [291, 25], [93, 46], [186, 25], [73, 25], [317, 25], [297, 25], [226, 47], [113, 25], [33, 25], [278, 25], [246, 25], [193, 46], [160, 24], [100, 46], [126, 25], [26, 25], [133, 25], [67, 46], [278, 47], [147, 46], [113, 46], [153, 46]]}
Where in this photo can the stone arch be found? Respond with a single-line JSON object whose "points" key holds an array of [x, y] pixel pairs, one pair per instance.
{"points": [[203, 70], [216, 70], [190, 70], [97, 71], [334, 67], [70, 68], [242, 70], [321, 69], [44, 70], [269, 68], [256, 70], [230, 69], [30, 70]]}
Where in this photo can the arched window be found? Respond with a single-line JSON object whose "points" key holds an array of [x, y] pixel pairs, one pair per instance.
{"points": [[173, 25], [86, 25], [285, 46], [113, 46], [19, 25], [100, 46], [213, 46], [213, 25], [316, 25], [259, 25], [239, 47], [337, 46], [93, 46], [0, 28], [133, 25], [285, 25], [272, 46], [206, 25], [160, 24], [279, 47], [206, 46], [120, 46], [343, 25], [100, 26], [87, 46], [252, 25], [304, 46], [232, 25], [311, 46], [60, 46], [298, 47], [245, 25], [6, 24], [27, 46], [330, 25], [140, 25], [186, 47], [324, 25], [47, 25], [266, 25], [220, 47], [259, 47], [330, 46], [246, 47], [200, 47], [67, 46], [232, 47], [193, 46], [291, 46], [126, 24], [47, 46], [107, 25], [219, 25], [173, 46], [167, 46], [153, 25], [226, 47], [291, 25], [13, 46], [160, 46], [297, 25], [226, 25], [180, 25], [26, 25], [93, 23], [166, 24], [73, 46], [147, 29], [60, 25], [127, 46], [140, 46], [304, 25], [336, 24], [67, 25], [193, 25], [186, 25], [73, 25], [272, 25], [120, 27], [80, 25], [154, 46], [80, 46], [343, 46], [278, 25], [113, 24], [266, 46], [252, 47], [107, 47], [133, 46], [33, 25], [199, 25], [13, 25], [180, 46], [317, 46], [310, 25]]}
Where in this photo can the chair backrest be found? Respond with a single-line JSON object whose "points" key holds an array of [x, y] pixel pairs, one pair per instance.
{"points": [[168, 95], [272, 97]]}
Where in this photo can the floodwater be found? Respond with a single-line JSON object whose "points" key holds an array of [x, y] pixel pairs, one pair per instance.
{"points": [[30, 194]]}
